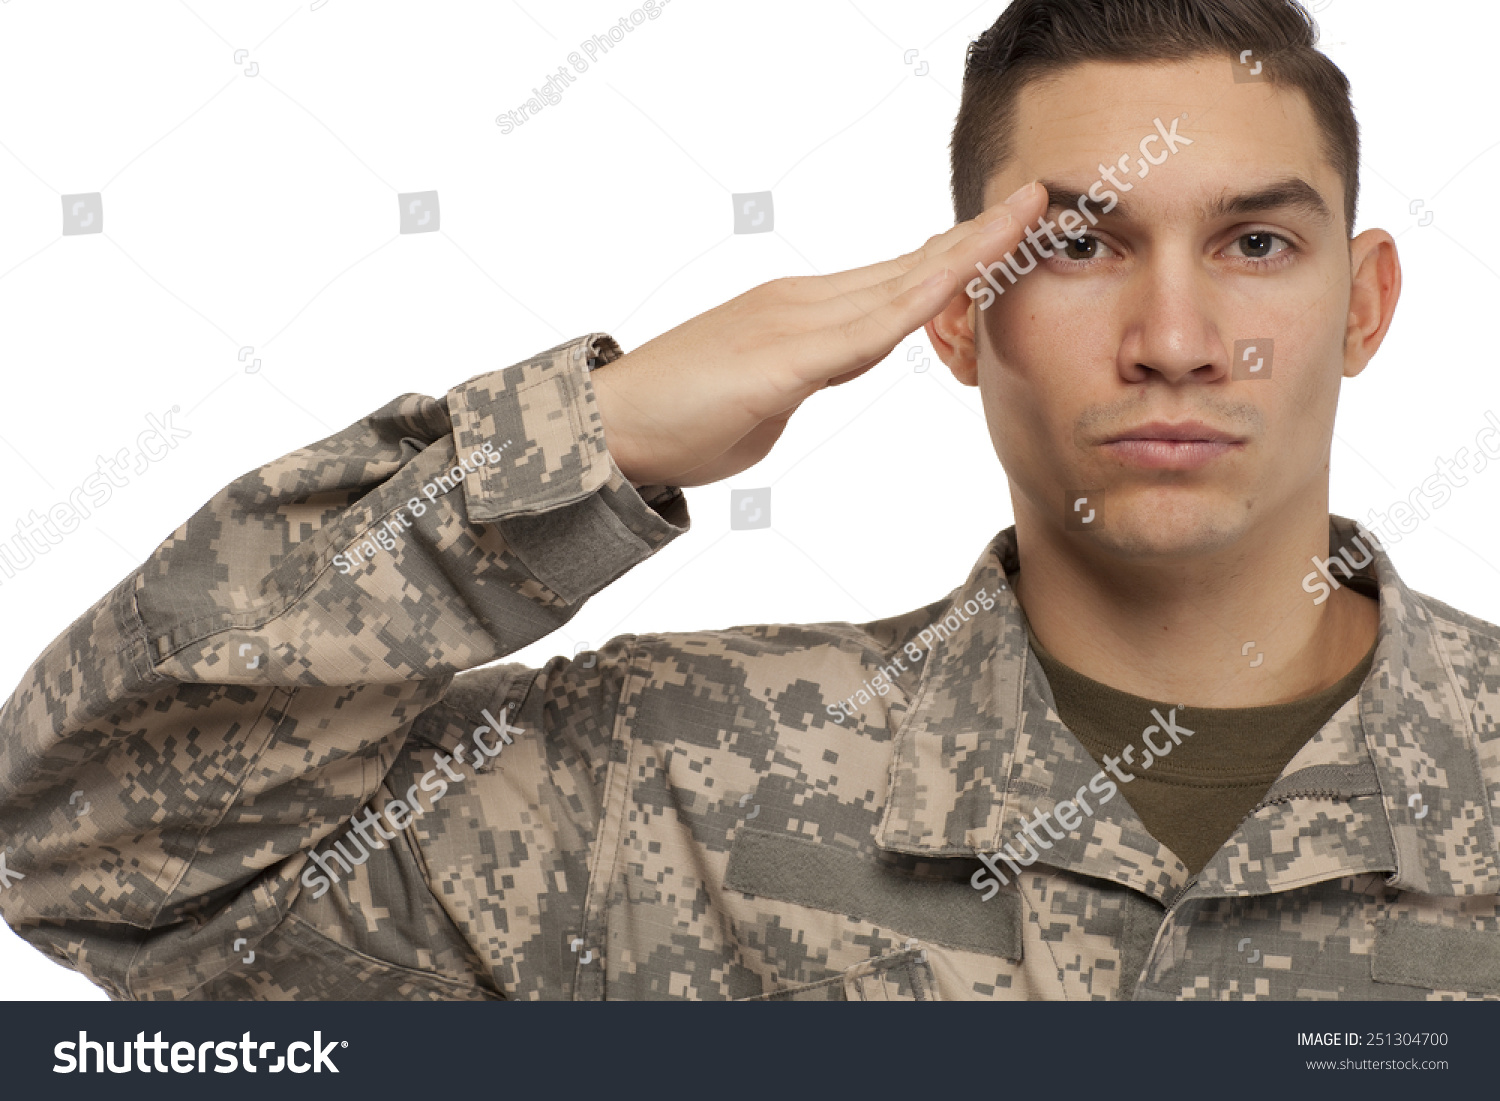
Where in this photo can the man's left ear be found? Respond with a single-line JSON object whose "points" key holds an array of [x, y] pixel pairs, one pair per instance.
{"points": [[952, 336], [1373, 293]]}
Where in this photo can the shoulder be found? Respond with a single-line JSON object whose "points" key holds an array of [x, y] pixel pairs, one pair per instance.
{"points": [[1472, 648], [837, 642], [1452, 619], [1473, 635], [779, 677]]}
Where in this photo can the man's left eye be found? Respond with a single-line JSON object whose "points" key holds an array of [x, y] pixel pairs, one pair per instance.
{"points": [[1261, 246]]}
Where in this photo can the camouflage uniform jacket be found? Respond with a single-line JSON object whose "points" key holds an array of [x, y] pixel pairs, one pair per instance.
{"points": [[674, 816]]}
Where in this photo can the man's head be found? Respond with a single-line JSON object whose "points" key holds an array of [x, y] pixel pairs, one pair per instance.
{"points": [[1040, 40], [1219, 201]]}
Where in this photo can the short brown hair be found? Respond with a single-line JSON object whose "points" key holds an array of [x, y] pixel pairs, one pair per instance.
{"points": [[1033, 39]]}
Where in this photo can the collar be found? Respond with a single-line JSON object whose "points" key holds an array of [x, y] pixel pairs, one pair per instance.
{"points": [[1391, 783]]}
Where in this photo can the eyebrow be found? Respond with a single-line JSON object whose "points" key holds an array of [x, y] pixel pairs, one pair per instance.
{"points": [[1291, 193]]}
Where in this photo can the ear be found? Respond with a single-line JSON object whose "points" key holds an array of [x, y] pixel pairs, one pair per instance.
{"points": [[952, 336], [1373, 293]]}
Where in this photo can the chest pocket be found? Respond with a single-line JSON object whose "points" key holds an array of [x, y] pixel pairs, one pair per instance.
{"points": [[1437, 958], [926, 901]]}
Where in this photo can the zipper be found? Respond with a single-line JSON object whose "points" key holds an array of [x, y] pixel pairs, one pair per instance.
{"points": [[1192, 881], [1156, 940]]}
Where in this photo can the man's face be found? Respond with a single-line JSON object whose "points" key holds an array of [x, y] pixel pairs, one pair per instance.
{"points": [[1142, 323]]}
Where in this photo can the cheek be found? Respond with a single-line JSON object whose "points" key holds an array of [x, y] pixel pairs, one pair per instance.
{"points": [[1300, 403], [1039, 329], [1040, 361], [1033, 378], [1300, 422]]}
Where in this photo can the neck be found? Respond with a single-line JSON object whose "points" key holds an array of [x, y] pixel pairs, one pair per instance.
{"points": [[1177, 629]]}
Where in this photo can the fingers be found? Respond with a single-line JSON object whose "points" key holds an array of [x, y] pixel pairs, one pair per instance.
{"points": [[864, 324], [965, 253], [710, 397], [912, 267]]}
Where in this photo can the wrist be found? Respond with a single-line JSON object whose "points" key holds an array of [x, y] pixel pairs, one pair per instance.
{"points": [[608, 402]]}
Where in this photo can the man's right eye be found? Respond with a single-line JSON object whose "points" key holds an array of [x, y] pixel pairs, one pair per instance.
{"points": [[1084, 247]]}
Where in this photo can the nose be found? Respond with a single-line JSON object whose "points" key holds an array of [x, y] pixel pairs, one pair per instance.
{"points": [[1171, 331]]}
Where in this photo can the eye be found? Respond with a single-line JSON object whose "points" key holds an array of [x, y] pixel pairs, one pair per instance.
{"points": [[1084, 247], [1261, 245]]}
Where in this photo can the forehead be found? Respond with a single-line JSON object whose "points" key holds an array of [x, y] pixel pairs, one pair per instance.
{"points": [[1072, 124]]}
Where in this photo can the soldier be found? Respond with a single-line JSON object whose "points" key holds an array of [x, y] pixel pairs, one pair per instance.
{"points": [[1130, 756]]}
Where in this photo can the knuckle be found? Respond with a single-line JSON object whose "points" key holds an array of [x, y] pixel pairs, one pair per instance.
{"points": [[850, 330], [912, 259], [788, 288], [889, 289]]}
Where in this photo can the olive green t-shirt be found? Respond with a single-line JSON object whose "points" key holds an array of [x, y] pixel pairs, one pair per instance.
{"points": [[1193, 798]]}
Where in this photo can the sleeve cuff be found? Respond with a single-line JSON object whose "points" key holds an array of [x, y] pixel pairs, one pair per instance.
{"points": [[545, 475]]}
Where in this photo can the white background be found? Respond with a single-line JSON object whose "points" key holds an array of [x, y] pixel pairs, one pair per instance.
{"points": [[261, 211]]}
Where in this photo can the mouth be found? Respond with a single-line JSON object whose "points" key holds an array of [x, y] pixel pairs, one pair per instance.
{"points": [[1160, 446]]}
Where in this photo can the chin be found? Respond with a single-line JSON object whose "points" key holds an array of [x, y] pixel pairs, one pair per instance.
{"points": [[1172, 525]]}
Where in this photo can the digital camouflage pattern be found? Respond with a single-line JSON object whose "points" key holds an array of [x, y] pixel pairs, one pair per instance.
{"points": [[676, 816]]}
